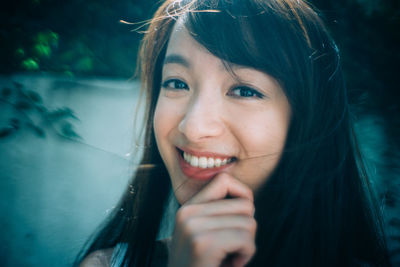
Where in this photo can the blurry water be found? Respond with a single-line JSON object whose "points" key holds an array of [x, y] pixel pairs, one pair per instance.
{"points": [[54, 192]]}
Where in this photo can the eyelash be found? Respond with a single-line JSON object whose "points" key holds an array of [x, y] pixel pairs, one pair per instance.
{"points": [[254, 93], [167, 83]]}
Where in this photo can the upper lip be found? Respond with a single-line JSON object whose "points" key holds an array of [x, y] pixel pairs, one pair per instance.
{"points": [[205, 153]]}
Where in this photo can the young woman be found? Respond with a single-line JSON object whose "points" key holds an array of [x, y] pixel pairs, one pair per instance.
{"points": [[248, 124]]}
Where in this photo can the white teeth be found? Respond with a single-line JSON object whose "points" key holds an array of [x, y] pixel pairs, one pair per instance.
{"points": [[187, 157], [204, 162], [210, 163], [217, 162], [194, 161]]}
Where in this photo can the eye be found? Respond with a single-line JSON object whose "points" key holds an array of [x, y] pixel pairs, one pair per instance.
{"points": [[175, 84], [245, 92]]}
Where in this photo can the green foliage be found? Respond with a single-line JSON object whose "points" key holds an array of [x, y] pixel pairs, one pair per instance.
{"points": [[42, 50], [46, 38], [42, 44], [19, 53], [30, 64], [30, 112], [85, 64], [44, 41], [73, 37]]}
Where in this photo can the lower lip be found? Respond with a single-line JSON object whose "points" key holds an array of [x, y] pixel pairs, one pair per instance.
{"points": [[199, 173]]}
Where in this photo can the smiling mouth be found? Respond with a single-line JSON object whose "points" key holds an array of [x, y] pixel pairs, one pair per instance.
{"points": [[204, 162], [201, 167]]}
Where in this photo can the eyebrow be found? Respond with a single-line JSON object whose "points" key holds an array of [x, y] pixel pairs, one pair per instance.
{"points": [[177, 59]]}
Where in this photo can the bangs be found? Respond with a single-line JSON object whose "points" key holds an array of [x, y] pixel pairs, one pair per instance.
{"points": [[242, 33]]}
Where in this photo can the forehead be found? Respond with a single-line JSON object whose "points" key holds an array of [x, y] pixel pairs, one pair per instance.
{"points": [[181, 41], [185, 50]]}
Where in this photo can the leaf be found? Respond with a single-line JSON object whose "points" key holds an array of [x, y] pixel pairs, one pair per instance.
{"points": [[34, 96], [67, 130], [23, 105], [18, 85], [42, 50], [19, 52], [85, 64], [6, 131], [30, 64], [6, 92], [46, 38], [15, 123], [61, 113], [37, 130], [42, 109]]}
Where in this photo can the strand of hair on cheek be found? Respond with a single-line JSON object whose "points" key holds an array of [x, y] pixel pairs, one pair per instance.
{"points": [[147, 166]]}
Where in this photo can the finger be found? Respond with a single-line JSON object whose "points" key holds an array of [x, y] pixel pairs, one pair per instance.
{"points": [[237, 206], [240, 261], [198, 225], [215, 246], [222, 186]]}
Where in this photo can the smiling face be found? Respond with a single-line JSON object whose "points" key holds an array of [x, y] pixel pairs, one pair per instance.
{"points": [[209, 121]]}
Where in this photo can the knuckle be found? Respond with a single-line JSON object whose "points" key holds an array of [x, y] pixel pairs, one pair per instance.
{"points": [[190, 226], [183, 214], [252, 226], [249, 207], [252, 248], [179, 217], [251, 194]]}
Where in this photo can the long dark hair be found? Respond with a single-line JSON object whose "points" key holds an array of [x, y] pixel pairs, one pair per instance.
{"points": [[317, 208]]}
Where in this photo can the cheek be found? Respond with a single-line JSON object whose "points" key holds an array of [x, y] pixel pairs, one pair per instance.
{"points": [[162, 120], [157, 125], [166, 120], [262, 133], [160, 126], [262, 138]]}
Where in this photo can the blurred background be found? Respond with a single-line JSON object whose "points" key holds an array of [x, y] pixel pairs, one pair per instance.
{"points": [[67, 105]]}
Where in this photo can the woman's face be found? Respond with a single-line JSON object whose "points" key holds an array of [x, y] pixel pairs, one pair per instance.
{"points": [[208, 121]]}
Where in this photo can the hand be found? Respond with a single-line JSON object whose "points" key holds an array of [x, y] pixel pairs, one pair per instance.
{"points": [[212, 231]]}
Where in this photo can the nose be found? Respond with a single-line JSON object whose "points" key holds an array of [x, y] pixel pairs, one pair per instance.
{"points": [[203, 119]]}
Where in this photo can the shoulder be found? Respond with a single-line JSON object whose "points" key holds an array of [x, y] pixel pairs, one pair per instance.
{"points": [[98, 258]]}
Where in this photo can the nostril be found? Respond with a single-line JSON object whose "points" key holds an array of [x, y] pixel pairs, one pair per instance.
{"points": [[197, 125]]}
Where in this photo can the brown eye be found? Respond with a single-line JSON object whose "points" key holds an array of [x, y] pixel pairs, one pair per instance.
{"points": [[175, 84], [245, 92]]}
